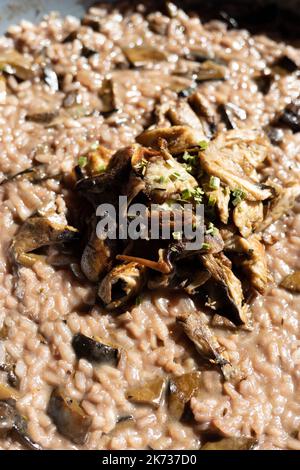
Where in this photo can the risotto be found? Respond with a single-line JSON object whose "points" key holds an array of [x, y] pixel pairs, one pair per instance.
{"points": [[74, 372]]}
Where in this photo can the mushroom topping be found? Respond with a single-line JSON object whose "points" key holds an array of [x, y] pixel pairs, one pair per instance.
{"points": [[197, 330], [42, 118], [290, 116], [107, 94], [12, 423], [247, 215], [95, 350], [121, 284], [7, 392], [181, 390], [69, 417], [150, 393], [210, 70], [37, 232], [178, 138], [231, 443], [292, 282], [94, 162], [14, 63], [143, 55], [220, 269], [280, 205], [181, 114]]}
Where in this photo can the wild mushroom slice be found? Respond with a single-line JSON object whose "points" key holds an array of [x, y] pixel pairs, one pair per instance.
{"points": [[181, 114], [42, 118], [181, 390], [7, 392], [37, 232], [206, 343], [34, 174], [214, 163], [149, 393], [12, 62], [232, 114], [251, 258], [292, 282], [247, 215], [94, 162], [143, 55], [69, 417], [231, 443], [107, 93], [205, 112], [280, 205], [95, 350], [210, 70], [234, 308], [98, 254], [218, 195], [121, 284], [178, 138], [12, 423]]}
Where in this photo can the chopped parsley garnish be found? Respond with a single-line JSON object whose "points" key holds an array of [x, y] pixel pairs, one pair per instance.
{"points": [[212, 230], [82, 161], [186, 194], [214, 182], [211, 201], [195, 194], [238, 196], [162, 180], [205, 246], [203, 144]]}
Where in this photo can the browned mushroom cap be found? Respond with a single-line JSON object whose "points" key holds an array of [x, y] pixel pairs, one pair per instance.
{"points": [[231, 443], [95, 350], [150, 393], [292, 282], [178, 138], [280, 205], [197, 330], [205, 112], [69, 417], [14, 63], [12, 423], [181, 114], [143, 55], [181, 390], [37, 232], [121, 284]]}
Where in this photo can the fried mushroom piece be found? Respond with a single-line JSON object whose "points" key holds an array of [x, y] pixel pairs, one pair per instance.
{"points": [[69, 417], [150, 393], [230, 158], [247, 215], [181, 390], [181, 114], [37, 232], [251, 257], [292, 282], [95, 350], [143, 55], [206, 343], [121, 284], [219, 266], [284, 201], [14, 63], [231, 443], [15, 425], [178, 138]]}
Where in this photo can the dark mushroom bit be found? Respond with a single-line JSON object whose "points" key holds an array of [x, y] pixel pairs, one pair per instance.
{"points": [[231, 443], [15, 425], [149, 393], [94, 350], [181, 390], [69, 417]]}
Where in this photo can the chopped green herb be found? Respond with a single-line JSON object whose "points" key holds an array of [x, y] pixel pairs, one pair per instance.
{"points": [[239, 196], [214, 182], [212, 201], [186, 194], [138, 300], [211, 229], [101, 168], [161, 180], [177, 235], [82, 161], [205, 246], [203, 144], [197, 195], [142, 165]]}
